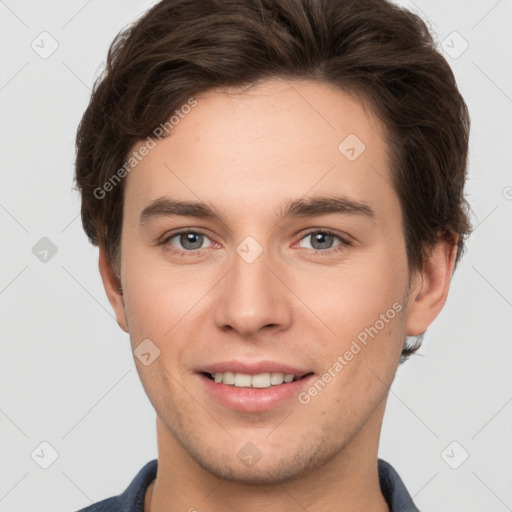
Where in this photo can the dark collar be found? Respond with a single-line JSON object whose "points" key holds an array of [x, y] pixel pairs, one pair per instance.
{"points": [[132, 499]]}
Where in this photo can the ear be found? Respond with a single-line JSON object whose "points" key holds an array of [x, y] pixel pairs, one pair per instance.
{"points": [[111, 285], [429, 288]]}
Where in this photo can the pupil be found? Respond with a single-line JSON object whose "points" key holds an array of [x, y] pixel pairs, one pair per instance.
{"points": [[191, 240], [323, 241]]}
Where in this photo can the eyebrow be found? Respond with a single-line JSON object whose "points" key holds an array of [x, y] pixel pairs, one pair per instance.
{"points": [[311, 207]]}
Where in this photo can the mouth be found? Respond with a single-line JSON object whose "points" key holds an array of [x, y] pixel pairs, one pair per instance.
{"points": [[259, 381], [254, 387]]}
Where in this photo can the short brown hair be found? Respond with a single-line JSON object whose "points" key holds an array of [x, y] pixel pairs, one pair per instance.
{"points": [[373, 49]]}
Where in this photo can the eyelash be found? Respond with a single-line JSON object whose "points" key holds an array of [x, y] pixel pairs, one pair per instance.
{"points": [[344, 242], [196, 252], [167, 247]]}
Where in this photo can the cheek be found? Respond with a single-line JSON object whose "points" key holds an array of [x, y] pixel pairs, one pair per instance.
{"points": [[168, 306], [362, 305], [353, 297], [358, 367], [147, 311]]}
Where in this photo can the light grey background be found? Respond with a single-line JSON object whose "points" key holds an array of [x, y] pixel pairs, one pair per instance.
{"points": [[67, 375]]}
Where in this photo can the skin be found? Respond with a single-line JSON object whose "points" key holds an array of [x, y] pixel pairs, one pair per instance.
{"points": [[248, 152]]}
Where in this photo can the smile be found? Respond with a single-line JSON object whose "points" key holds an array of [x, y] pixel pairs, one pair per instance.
{"points": [[261, 380]]}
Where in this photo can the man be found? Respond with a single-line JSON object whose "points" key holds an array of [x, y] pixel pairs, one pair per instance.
{"points": [[276, 190]]}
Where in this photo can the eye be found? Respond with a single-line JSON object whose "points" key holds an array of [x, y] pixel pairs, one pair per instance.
{"points": [[322, 240], [188, 241]]}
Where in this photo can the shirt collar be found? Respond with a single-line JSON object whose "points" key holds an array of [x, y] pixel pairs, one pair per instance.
{"points": [[132, 499]]}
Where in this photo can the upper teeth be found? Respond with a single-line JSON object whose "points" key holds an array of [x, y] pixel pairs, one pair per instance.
{"points": [[262, 380]]}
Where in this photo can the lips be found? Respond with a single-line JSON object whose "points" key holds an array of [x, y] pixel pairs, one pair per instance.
{"points": [[253, 387]]}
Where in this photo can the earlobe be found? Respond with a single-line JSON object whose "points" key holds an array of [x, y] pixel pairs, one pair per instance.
{"points": [[430, 289], [112, 288]]}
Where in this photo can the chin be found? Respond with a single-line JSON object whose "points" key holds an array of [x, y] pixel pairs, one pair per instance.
{"points": [[273, 465], [270, 473]]}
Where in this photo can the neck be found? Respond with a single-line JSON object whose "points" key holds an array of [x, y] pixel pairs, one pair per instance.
{"points": [[348, 482]]}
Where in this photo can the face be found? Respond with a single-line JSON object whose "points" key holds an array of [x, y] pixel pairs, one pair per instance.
{"points": [[289, 265]]}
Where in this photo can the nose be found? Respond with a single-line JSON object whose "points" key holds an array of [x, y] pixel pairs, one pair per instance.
{"points": [[251, 298]]}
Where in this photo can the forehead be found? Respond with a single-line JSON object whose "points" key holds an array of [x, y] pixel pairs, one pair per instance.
{"points": [[260, 144]]}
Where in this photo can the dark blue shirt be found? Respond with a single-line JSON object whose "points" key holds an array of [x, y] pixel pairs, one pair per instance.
{"points": [[132, 499]]}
